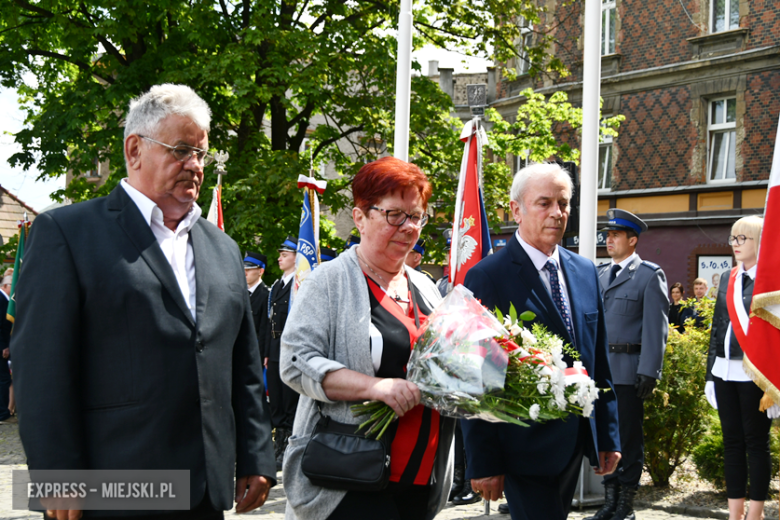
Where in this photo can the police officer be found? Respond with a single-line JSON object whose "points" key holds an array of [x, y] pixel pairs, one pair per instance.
{"points": [[636, 307], [254, 267], [415, 256], [282, 398]]}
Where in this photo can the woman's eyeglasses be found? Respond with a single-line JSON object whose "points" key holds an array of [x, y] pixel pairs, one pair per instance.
{"points": [[183, 153], [396, 217], [738, 239]]}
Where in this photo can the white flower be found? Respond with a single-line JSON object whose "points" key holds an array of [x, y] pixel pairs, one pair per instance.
{"points": [[587, 409], [573, 399], [508, 321], [542, 387], [560, 401], [515, 329], [533, 412], [528, 337]]}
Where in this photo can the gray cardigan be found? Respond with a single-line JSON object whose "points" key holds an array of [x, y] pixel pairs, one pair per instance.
{"points": [[328, 329]]}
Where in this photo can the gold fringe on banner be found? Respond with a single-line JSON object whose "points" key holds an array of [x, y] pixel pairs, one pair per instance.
{"points": [[763, 300], [768, 317], [759, 379]]}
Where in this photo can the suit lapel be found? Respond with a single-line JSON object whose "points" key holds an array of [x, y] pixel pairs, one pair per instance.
{"points": [[204, 266], [279, 291], [526, 271], [140, 234]]}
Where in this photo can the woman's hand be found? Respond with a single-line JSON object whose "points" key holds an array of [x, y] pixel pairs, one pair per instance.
{"points": [[398, 394]]}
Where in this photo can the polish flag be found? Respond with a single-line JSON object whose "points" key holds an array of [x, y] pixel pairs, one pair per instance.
{"points": [[215, 210], [762, 349]]}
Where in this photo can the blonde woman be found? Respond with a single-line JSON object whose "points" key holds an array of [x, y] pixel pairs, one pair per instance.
{"points": [[729, 389]]}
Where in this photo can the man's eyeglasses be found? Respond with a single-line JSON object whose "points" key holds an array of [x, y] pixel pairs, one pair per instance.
{"points": [[183, 153], [396, 217], [738, 239]]}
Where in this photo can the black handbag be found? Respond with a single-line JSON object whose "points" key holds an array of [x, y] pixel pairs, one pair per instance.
{"points": [[337, 457]]}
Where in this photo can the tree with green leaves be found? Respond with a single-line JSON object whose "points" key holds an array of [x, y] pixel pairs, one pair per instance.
{"points": [[275, 73]]}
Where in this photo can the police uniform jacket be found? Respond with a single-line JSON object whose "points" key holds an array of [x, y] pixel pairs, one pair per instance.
{"points": [[279, 304], [636, 309]]}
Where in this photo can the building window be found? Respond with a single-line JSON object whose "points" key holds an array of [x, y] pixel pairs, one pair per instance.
{"points": [[725, 15], [95, 172], [608, 21], [722, 136], [523, 43], [522, 161], [605, 164]]}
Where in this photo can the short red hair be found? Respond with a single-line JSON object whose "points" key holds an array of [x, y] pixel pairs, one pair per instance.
{"points": [[387, 175]]}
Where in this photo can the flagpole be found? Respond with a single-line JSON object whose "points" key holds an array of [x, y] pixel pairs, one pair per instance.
{"points": [[590, 130], [403, 86]]}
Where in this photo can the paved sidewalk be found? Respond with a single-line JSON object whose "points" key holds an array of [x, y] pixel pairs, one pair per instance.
{"points": [[12, 457]]}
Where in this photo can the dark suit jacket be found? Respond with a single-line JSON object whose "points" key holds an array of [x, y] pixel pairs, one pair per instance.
{"points": [[259, 302], [507, 277], [280, 303], [720, 323], [110, 369]]}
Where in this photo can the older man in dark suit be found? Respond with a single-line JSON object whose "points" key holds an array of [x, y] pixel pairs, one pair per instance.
{"points": [[135, 349], [538, 466]]}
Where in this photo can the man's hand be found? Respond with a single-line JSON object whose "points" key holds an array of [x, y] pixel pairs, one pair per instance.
{"points": [[644, 386], [491, 488], [608, 461], [255, 496], [6, 353], [265, 362]]}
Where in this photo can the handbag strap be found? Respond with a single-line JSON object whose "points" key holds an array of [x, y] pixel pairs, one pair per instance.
{"points": [[414, 302]]}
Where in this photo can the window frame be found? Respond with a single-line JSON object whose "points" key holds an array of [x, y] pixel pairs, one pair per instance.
{"points": [[607, 5], [607, 144], [728, 128], [727, 16], [522, 60]]}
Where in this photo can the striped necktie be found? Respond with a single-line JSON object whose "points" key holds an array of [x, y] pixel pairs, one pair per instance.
{"points": [[557, 295]]}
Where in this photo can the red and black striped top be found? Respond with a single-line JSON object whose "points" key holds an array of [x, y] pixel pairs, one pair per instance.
{"points": [[393, 333]]}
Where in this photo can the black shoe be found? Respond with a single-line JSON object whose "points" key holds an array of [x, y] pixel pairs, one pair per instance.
{"points": [[503, 509], [607, 511], [458, 479], [467, 496], [625, 506]]}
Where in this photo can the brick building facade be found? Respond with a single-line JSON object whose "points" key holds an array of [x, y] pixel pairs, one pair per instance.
{"points": [[699, 84]]}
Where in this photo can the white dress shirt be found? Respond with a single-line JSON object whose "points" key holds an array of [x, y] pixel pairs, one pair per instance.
{"points": [[175, 245], [731, 369], [624, 263], [539, 260], [286, 278], [252, 289]]}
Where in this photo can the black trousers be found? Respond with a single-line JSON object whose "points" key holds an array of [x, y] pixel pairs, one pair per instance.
{"points": [[631, 410], [395, 502], [745, 430], [538, 497], [282, 398], [460, 448]]}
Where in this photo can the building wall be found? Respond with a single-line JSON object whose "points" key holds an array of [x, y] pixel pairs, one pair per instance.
{"points": [[762, 102], [763, 19], [656, 140]]}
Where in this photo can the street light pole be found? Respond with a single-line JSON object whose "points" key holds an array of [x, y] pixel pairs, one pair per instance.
{"points": [[403, 86]]}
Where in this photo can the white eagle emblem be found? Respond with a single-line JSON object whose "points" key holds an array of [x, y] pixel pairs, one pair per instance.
{"points": [[466, 243]]}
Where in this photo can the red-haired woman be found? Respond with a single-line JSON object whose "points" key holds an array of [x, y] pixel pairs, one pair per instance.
{"points": [[348, 339]]}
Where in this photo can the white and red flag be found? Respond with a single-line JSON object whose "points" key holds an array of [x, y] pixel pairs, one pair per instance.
{"points": [[762, 349], [470, 232], [215, 210]]}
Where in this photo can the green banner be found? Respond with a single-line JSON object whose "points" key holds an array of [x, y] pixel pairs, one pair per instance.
{"points": [[17, 264]]}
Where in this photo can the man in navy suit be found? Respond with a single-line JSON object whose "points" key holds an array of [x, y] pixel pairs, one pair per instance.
{"points": [[537, 466]]}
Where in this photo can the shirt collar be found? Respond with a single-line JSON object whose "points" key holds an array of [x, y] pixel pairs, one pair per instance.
{"points": [[286, 278], [252, 289], [627, 261], [538, 258], [751, 272], [151, 212]]}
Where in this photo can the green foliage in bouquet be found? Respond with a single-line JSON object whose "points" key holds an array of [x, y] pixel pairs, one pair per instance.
{"points": [[708, 455], [675, 416]]}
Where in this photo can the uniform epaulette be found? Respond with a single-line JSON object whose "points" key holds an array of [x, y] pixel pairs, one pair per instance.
{"points": [[651, 265], [602, 265]]}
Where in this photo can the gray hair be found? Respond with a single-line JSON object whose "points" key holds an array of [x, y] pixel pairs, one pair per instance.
{"points": [[161, 101], [535, 171], [7, 280]]}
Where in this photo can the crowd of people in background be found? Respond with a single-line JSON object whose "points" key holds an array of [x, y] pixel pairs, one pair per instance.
{"points": [[244, 356]]}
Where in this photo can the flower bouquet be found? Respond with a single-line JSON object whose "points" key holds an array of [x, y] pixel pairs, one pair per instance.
{"points": [[472, 364]]}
